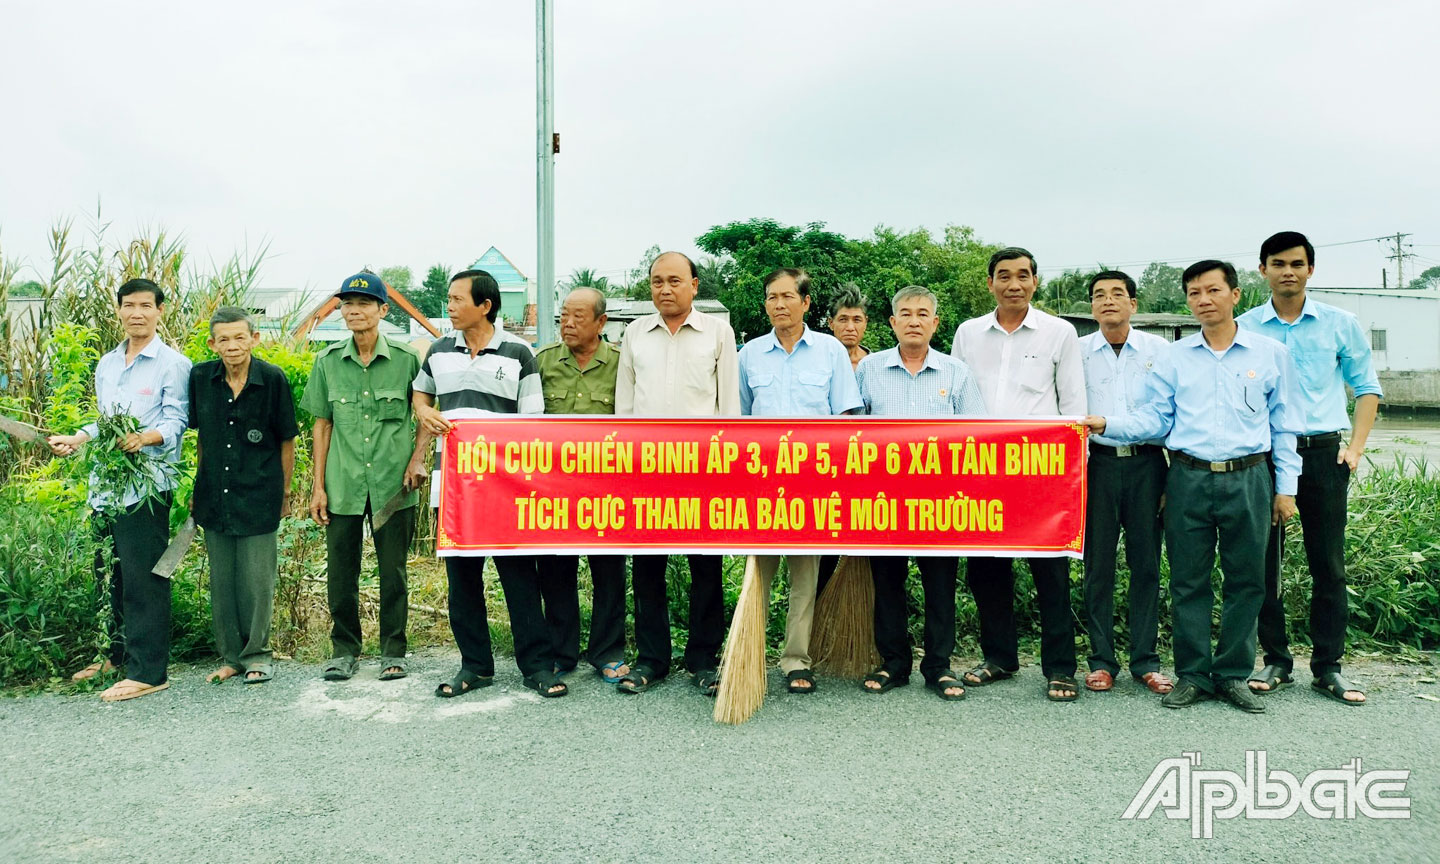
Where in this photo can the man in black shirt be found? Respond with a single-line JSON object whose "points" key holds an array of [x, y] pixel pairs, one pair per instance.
{"points": [[245, 414]]}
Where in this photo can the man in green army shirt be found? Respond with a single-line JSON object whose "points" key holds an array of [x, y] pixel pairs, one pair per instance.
{"points": [[359, 394], [577, 376]]}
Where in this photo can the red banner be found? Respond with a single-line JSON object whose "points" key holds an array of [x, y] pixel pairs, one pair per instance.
{"points": [[828, 485]]}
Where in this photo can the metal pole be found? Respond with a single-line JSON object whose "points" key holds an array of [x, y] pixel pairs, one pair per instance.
{"points": [[545, 172]]}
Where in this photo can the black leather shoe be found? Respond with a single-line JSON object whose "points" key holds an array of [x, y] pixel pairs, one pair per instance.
{"points": [[1184, 695], [1239, 694]]}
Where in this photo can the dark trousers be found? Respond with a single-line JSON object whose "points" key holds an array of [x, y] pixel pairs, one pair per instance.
{"points": [[1322, 496], [559, 581], [1204, 510], [892, 630], [470, 622], [652, 613], [343, 539], [992, 581], [828, 563], [139, 600], [1124, 492]]}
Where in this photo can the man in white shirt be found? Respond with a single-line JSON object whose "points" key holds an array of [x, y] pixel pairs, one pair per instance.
{"points": [[1125, 483], [678, 362], [1027, 364]]}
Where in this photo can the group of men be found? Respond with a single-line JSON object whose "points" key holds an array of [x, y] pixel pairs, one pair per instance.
{"points": [[1217, 438]]}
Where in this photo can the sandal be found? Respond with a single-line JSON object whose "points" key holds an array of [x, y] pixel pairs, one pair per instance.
{"points": [[947, 681], [638, 680], [340, 669], [1069, 690], [1334, 685], [93, 670], [886, 681], [707, 681], [545, 685], [1273, 677], [130, 689], [389, 663], [986, 673], [615, 668], [266, 671], [463, 682], [796, 677]]}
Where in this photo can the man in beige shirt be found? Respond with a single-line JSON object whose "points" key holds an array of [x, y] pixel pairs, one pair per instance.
{"points": [[678, 362]]}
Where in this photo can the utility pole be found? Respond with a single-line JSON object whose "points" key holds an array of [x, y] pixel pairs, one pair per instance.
{"points": [[547, 144], [1399, 257]]}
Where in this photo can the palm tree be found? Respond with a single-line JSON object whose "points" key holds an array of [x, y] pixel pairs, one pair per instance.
{"points": [[586, 278]]}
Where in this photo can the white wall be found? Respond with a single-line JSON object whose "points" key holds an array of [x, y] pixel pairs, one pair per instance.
{"points": [[1411, 321]]}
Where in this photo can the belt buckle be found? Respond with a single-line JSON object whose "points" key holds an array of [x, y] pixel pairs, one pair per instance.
{"points": [[1219, 467], [1125, 450]]}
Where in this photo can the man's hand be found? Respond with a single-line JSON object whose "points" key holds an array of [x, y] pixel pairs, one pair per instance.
{"points": [[64, 445], [1350, 456], [285, 506], [1282, 509], [1096, 424], [432, 420], [320, 507], [415, 475], [135, 440]]}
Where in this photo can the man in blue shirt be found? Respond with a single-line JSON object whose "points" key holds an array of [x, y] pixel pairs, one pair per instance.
{"points": [[914, 380], [1224, 399], [1330, 351], [148, 380], [1125, 484], [792, 371]]}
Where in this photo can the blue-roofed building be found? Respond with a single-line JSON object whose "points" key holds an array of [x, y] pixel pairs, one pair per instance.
{"points": [[517, 292]]}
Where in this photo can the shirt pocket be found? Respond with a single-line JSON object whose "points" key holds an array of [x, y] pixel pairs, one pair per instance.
{"points": [[1317, 368], [1036, 376], [390, 405], [699, 371], [345, 408], [1247, 395], [252, 424], [812, 391], [555, 401]]}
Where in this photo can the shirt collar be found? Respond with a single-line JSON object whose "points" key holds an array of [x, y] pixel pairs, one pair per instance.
{"points": [[382, 348], [602, 354], [769, 342], [1101, 343], [892, 358], [695, 320], [993, 320], [497, 338], [1244, 338], [151, 349], [250, 377], [1268, 313]]}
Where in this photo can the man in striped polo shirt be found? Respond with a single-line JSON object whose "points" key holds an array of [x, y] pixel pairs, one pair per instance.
{"points": [[481, 369]]}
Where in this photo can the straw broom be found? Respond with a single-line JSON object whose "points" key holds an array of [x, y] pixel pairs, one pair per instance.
{"points": [[742, 666], [843, 636]]}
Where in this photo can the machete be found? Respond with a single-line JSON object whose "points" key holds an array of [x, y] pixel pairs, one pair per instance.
{"points": [[165, 567], [16, 429], [379, 519]]}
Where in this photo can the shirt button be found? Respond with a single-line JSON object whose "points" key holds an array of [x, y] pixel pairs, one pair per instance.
{"points": [[225, 491], [367, 416], [367, 440], [367, 393], [367, 464], [227, 446]]}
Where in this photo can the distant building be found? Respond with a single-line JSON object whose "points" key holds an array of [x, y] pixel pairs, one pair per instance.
{"points": [[1167, 325], [1404, 331], [23, 313], [517, 292]]}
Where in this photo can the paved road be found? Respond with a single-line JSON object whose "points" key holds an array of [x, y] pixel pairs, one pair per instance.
{"points": [[303, 770]]}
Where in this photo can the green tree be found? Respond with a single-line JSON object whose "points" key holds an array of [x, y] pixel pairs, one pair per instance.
{"points": [[1429, 278], [29, 288], [1160, 289], [433, 295], [1254, 290], [586, 278], [398, 278], [637, 280]]}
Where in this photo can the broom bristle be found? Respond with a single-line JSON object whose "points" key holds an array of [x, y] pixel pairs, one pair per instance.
{"points": [[843, 636], [742, 666]]}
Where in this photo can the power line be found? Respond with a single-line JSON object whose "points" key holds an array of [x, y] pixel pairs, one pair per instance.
{"points": [[1222, 255]]}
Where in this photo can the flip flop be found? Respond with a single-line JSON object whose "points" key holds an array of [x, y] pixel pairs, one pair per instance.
{"points": [[92, 670], [613, 667], [121, 691], [463, 682]]}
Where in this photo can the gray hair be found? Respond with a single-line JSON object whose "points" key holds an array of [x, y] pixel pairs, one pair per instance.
{"points": [[598, 305], [913, 291], [848, 297], [231, 314]]}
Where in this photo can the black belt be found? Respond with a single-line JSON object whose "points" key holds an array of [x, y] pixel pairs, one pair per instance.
{"points": [[1126, 450], [1322, 440], [1219, 467]]}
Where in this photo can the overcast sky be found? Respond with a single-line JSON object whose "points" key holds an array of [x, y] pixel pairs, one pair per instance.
{"points": [[353, 134]]}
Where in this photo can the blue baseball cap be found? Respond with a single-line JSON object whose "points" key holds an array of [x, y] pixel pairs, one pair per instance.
{"points": [[366, 284]]}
